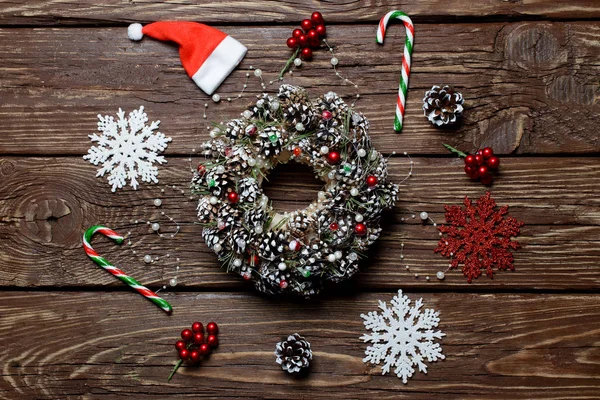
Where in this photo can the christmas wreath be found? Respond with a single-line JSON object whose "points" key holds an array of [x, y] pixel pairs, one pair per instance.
{"points": [[294, 252]]}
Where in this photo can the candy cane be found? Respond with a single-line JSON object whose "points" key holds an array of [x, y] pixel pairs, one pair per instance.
{"points": [[144, 291], [408, 47]]}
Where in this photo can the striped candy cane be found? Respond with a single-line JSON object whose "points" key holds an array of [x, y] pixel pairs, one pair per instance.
{"points": [[144, 291], [408, 47]]}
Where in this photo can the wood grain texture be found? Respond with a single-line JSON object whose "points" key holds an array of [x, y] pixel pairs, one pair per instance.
{"points": [[49, 202], [530, 87], [109, 345], [243, 12]]}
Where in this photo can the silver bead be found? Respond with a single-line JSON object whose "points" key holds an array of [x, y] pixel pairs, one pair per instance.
{"points": [[217, 247], [216, 98], [358, 218], [334, 61], [237, 262], [338, 255], [257, 72], [297, 62], [324, 150], [147, 258], [157, 202], [247, 114], [354, 192], [258, 230], [300, 126], [424, 215], [361, 152], [220, 169], [213, 200], [282, 266], [251, 162], [440, 275], [155, 226], [173, 282], [331, 258], [260, 103]]}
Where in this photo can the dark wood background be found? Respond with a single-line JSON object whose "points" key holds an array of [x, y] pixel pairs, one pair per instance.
{"points": [[530, 74]]}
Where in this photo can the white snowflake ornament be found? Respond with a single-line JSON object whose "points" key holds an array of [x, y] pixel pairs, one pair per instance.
{"points": [[127, 149], [403, 337]]}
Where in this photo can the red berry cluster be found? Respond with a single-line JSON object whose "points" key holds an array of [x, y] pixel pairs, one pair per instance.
{"points": [[309, 37], [481, 164], [194, 344]]}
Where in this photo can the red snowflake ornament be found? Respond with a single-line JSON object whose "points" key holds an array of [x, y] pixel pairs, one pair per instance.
{"points": [[479, 237]]}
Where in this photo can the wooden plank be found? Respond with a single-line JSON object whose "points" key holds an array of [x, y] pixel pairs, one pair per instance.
{"points": [[238, 11], [47, 203], [103, 345], [529, 87]]}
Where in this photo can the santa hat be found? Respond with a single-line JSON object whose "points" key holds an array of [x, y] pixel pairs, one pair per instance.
{"points": [[207, 54]]}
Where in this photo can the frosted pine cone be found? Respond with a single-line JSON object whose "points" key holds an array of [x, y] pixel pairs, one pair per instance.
{"points": [[293, 353], [443, 106]]}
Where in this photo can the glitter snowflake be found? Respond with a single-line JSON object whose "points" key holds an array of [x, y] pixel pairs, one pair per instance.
{"points": [[127, 149], [479, 237], [403, 337]]}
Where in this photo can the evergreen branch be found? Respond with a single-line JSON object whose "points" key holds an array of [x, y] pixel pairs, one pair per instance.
{"points": [[455, 151]]}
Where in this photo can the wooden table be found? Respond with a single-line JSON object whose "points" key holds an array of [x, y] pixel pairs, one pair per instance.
{"points": [[529, 72]]}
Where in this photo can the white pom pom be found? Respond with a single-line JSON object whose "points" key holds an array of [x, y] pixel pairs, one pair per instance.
{"points": [[134, 32]]}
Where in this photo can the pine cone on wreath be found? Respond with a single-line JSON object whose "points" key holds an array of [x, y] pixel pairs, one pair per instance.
{"points": [[442, 105], [334, 104], [207, 212], [295, 105], [293, 353], [270, 141]]}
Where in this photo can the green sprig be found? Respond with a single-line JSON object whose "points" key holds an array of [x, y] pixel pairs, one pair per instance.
{"points": [[455, 151]]}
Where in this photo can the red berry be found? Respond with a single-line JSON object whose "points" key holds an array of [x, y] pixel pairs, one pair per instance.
{"points": [[334, 226], [360, 229], [198, 338], [483, 171], [487, 152], [180, 344], [233, 197], [306, 24], [197, 327], [253, 260], [493, 162], [292, 43], [372, 180], [297, 151], [297, 33], [212, 328], [321, 30], [195, 356], [187, 334], [307, 53], [212, 341], [283, 284], [204, 349], [201, 169], [333, 157], [478, 159], [251, 130], [313, 38], [184, 354], [487, 180], [470, 160], [326, 115], [471, 170], [302, 40], [317, 18]]}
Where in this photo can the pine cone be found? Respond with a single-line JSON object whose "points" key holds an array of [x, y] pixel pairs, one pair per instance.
{"points": [[293, 353], [295, 105], [442, 106], [270, 141]]}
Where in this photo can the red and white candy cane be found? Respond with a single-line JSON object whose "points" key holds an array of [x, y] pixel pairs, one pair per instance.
{"points": [[144, 291], [408, 47]]}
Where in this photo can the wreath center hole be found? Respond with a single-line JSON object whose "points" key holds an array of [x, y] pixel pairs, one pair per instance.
{"points": [[292, 187]]}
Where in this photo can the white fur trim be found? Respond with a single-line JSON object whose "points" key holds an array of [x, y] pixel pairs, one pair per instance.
{"points": [[134, 32], [224, 58]]}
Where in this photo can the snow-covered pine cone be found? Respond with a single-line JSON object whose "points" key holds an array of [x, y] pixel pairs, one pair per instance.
{"points": [[295, 106], [218, 182], [265, 108], [333, 103], [235, 129], [272, 245], [298, 223], [216, 147], [237, 162], [443, 105], [207, 212], [238, 239], [248, 190], [270, 141], [293, 353]]}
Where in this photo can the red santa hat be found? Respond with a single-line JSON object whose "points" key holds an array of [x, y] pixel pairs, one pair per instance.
{"points": [[207, 54]]}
